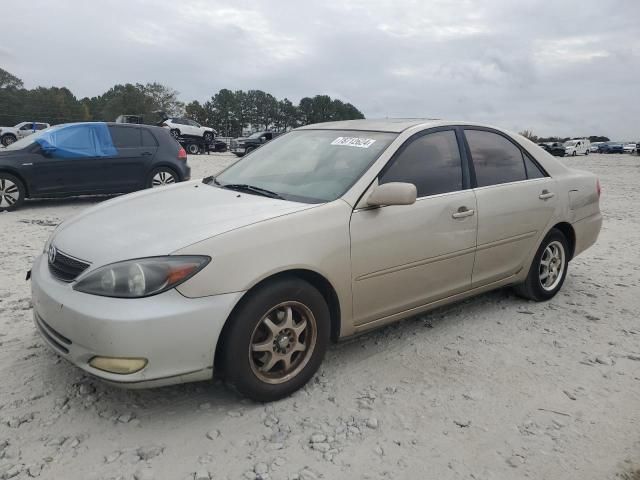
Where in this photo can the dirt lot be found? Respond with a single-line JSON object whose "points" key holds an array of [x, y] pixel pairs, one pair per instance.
{"points": [[493, 388]]}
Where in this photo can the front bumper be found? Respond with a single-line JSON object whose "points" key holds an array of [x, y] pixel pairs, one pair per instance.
{"points": [[177, 335]]}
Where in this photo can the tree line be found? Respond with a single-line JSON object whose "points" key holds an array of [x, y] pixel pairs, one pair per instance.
{"points": [[229, 112], [534, 138]]}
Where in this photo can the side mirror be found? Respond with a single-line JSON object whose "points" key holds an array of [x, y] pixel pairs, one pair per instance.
{"points": [[394, 193]]}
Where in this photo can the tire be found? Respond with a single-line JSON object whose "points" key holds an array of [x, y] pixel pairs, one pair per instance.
{"points": [[263, 332], [574, 153], [248, 150], [12, 192], [538, 286], [208, 137], [162, 176], [175, 133], [587, 152], [8, 139], [193, 149]]}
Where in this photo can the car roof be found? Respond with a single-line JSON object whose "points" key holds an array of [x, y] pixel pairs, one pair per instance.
{"points": [[394, 125]]}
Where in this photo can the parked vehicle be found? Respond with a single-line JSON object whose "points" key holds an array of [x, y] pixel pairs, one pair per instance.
{"points": [[185, 127], [554, 148], [629, 148], [577, 147], [593, 148], [195, 146], [328, 231], [8, 135], [611, 147], [243, 145], [88, 159], [136, 119]]}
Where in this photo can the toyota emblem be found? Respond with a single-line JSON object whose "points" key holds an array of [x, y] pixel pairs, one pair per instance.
{"points": [[52, 254]]}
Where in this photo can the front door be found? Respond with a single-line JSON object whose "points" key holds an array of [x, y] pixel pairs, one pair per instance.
{"points": [[407, 256], [516, 201]]}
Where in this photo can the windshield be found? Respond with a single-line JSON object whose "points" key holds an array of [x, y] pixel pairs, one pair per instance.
{"points": [[570, 143], [29, 140], [312, 166], [255, 135]]}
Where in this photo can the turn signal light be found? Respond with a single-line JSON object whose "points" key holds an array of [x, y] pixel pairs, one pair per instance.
{"points": [[121, 366]]}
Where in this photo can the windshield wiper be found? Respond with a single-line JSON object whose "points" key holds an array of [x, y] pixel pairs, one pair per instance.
{"points": [[243, 187]]}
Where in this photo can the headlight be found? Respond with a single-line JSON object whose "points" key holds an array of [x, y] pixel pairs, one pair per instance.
{"points": [[142, 277]]}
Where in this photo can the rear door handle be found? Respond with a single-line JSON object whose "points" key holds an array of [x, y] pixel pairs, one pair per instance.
{"points": [[545, 195], [463, 212]]}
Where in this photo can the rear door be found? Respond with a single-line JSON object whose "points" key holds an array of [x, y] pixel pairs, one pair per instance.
{"points": [[55, 173], [516, 200], [136, 148]]}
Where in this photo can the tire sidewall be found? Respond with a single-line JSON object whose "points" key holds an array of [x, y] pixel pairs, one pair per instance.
{"points": [[21, 189], [242, 323], [534, 275], [208, 136]]}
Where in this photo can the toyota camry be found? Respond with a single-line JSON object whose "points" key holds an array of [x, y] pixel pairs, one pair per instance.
{"points": [[323, 233]]}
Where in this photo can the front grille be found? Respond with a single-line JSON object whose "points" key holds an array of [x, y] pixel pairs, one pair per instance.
{"points": [[54, 338], [65, 267]]}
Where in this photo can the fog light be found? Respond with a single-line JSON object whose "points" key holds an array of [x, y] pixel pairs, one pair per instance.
{"points": [[121, 366]]}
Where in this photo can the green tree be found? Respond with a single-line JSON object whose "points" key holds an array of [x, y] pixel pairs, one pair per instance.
{"points": [[8, 80]]}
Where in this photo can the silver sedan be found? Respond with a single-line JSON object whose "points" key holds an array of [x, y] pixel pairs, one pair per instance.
{"points": [[328, 231]]}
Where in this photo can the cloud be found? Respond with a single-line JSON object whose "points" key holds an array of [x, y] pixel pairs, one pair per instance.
{"points": [[567, 70]]}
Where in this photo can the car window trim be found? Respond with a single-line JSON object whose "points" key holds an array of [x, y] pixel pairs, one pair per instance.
{"points": [[463, 160], [523, 152]]}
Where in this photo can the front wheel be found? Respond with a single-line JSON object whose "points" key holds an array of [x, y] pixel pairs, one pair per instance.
{"points": [[175, 133], [548, 269], [587, 152], [161, 176], [208, 137], [8, 139], [12, 192], [276, 339]]}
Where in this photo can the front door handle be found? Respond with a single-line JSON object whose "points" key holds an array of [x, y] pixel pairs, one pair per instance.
{"points": [[545, 195], [463, 212], [147, 154]]}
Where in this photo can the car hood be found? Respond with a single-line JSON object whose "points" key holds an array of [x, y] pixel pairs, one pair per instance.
{"points": [[162, 220]]}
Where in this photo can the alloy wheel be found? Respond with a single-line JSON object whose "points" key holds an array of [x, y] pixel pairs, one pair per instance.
{"points": [[8, 140], [9, 193], [283, 342], [552, 264], [162, 178]]}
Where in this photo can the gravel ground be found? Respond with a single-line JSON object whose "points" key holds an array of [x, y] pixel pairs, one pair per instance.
{"points": [[492, 388]]}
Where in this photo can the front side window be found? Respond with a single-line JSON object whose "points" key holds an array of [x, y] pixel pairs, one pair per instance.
{"points": [[495, 159], [28, 126], [431, 162], [310, 166]]}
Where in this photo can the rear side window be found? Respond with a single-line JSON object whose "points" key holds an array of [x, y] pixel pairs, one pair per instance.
{"points": [[495, 159], [431, 162], [125, 137], [148, 140], [533, 170]]}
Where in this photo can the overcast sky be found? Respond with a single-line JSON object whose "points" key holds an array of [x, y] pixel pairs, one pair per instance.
{"points": [[565, 67]]}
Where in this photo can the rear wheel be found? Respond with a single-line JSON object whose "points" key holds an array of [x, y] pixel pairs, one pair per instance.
{"points": [[548, 269], [162, 176], [587, 152], [12, 192], [574, 153], [8, 139], [276, 339]]}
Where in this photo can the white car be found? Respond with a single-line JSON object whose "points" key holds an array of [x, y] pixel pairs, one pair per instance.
{"points": [[630, 147], [185, 127], [577, 147], [8, 135], [325, 232]]}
